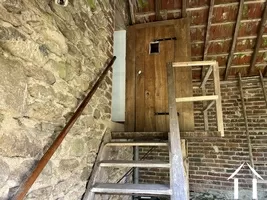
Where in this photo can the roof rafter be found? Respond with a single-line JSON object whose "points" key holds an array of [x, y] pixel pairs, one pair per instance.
{"points": [[237, 26], [207, 43], [259, 39]]}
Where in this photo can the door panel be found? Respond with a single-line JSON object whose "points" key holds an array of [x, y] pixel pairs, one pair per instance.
{"points": [[150, 78]]}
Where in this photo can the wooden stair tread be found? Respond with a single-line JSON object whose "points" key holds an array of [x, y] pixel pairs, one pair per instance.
{"points": [[137, 143], [149, 189], [132, 163]]}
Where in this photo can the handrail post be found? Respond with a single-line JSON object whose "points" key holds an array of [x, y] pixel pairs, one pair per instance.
{"points": [[25, 187], [177, 171]]}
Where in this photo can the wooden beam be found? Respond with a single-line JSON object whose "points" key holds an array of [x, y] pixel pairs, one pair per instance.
{"points": [[198, 98], [193, 63], [263, 87], [237, 26], [259, 39], [206, 77], [184, 5], [217, 90], [157, 9], [205, 112], [207, 43], [132, 14], [246, 120], [177, 171], [209, 106]]}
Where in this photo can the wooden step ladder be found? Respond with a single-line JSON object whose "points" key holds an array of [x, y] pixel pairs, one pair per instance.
{"points": [[126, 189]]}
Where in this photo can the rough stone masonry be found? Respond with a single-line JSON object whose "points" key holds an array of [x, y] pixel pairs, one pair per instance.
{"points": [[48, 57]]}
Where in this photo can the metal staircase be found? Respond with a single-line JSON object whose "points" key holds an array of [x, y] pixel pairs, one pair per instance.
{"points": [[127, 189]]}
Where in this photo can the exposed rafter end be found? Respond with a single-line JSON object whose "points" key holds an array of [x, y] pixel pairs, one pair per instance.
{"points": [[237, 26], [259, 39]]}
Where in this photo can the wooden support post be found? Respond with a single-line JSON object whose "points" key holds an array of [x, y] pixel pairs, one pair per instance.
{"points": [[263, 87], [259, 39], [207, 43], [217, 88], [237, 25], [246, 121], [177, 172], [205, 112]]}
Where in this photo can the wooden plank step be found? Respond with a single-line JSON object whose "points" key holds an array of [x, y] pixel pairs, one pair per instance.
{"points": [[132, 163], [137, 143], [145, 189]]}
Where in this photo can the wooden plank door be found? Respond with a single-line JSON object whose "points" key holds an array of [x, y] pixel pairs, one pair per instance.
{"points": [[146, 76]]}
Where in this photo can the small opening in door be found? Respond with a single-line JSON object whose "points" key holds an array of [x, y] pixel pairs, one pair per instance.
{"points": [[154, 47]]}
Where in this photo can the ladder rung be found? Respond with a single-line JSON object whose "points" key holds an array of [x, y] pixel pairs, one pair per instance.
{"points": [[139, 143], [146, 189], [132, 163]]}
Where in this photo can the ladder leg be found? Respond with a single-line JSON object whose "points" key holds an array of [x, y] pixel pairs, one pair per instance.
{"points": [[89, 196]]}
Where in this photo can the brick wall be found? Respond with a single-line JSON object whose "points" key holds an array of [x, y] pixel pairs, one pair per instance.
{"points": [[212, 161]]}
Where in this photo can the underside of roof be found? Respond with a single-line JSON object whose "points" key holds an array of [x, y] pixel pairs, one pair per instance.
{"points": [[230, 31]]}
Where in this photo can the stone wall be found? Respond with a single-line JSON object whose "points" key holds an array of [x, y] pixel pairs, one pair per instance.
{"points": [[212, 161], [48, 57]]}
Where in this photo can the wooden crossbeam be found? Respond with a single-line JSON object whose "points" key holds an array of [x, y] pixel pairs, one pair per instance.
{"points": [[207, 43], [237, 26], [206, 77], [193, 63], [259, 39], [200, 98]]}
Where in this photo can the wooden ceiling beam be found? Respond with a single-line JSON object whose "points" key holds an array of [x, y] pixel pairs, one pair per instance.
{"points": [[207, 43], [259, 39], [237, 26]]}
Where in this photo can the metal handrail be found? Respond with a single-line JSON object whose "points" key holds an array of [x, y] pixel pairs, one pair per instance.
{"points": [[25, 187]]}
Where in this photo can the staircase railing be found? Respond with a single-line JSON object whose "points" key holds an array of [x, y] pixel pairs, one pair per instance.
{"points": [[26, 185], [177, 173]]}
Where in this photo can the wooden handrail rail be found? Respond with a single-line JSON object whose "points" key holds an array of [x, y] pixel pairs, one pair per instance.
{"points": [[24, 188]]}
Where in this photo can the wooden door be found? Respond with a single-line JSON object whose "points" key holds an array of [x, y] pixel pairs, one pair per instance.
{"points": [[146, 77]]}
